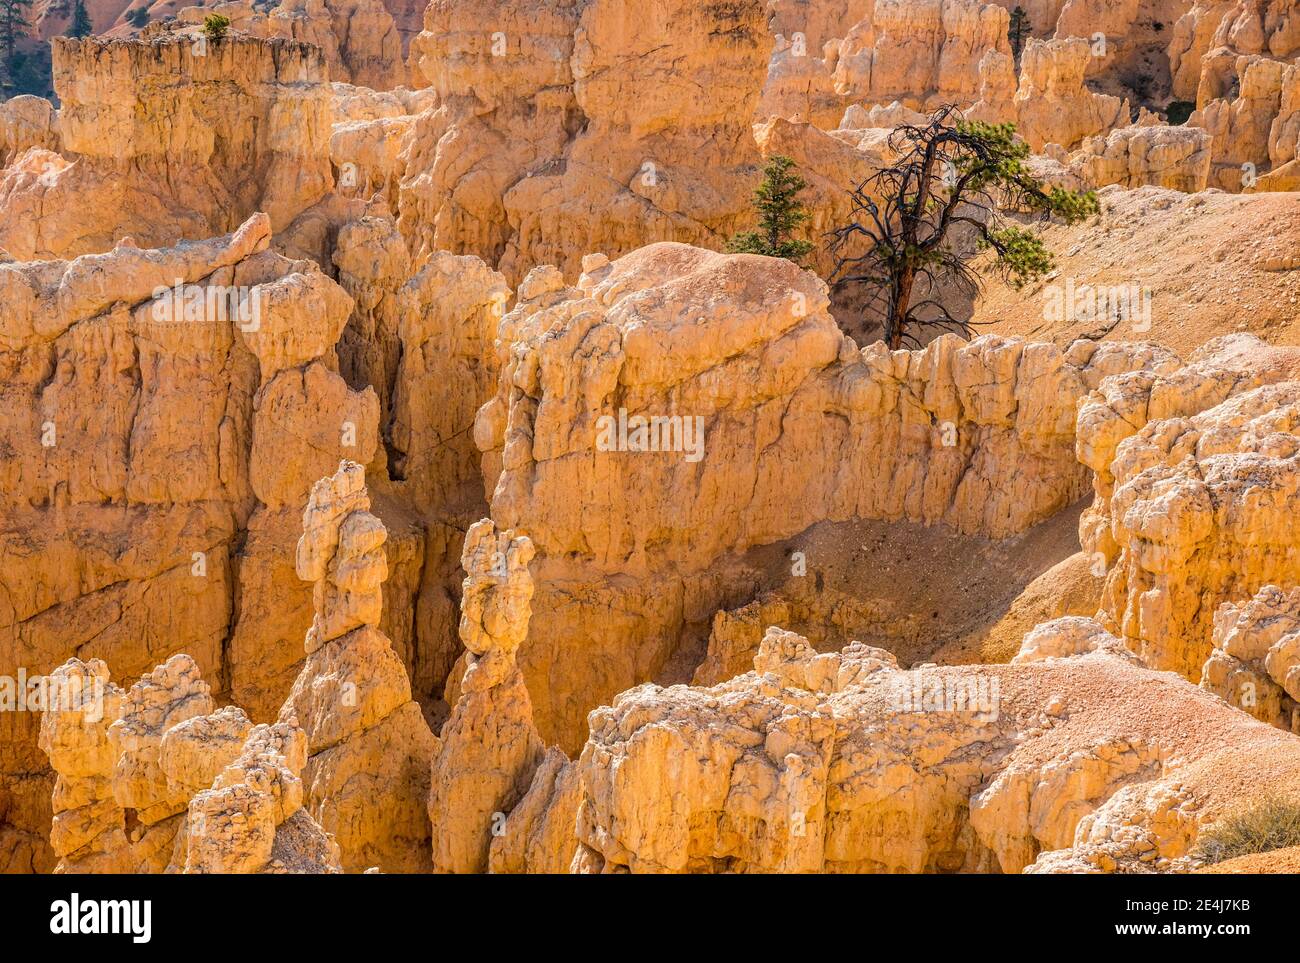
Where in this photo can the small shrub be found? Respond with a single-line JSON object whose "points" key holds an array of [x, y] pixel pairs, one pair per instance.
{"points": [[1273, 823], [215, 26], [779, 214], [138, 17]]}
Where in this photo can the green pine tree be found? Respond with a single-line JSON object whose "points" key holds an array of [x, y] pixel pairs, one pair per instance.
{"points": [[897, 244], [1018, 31], [779, 213], [13, 27], [81, 25], [215, 26]]}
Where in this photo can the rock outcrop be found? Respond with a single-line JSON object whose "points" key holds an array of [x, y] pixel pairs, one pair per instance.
{"points": [[169, 695], [366, 775], [766, 421], [1209, 38], [489, 747], [369, 137], [252, 820], [358, 38], [1052, 105], [1241, 125], [1255, 665], [247, 129], [739, 593], [1178, 158], [583, 125], [26, 122], [800, 76], [88, 832], [814, 763], [1196, 476], [920, 52], [168, 412], [151, 780]]}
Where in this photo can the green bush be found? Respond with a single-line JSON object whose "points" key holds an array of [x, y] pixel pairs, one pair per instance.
{"points": [[215, 26], [1273, 823]]}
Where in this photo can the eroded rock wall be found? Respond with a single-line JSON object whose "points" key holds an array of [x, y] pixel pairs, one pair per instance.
{"points": [[154, 780], [814, 763], [920, 52], [1256, 660], [366, 775], [1195, 475], [198, 143], [158, 447], [769, 420], [359, 40], [584, 125]]}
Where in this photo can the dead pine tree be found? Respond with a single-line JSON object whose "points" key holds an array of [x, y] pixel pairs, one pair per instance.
{"points": [[950, 174]]}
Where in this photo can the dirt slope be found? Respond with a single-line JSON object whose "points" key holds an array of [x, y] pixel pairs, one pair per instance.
{"points": [[1214, 263]]}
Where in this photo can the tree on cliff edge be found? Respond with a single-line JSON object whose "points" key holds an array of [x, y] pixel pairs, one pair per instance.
{"points": [[779, 214], [899, 242]]}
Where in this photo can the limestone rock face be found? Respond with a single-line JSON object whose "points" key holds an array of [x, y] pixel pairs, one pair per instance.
{"points": [[366, 778], [367, 156], [358, 38], [800, 84], [780, 422], [1068, 636], [920, 52], [1284, 133], [582, 125], [202, 172], [1178, 158], [150, 783], [816, 21], [489, 746], [1255, 665], [1208, 39], [170, 694], [800, 76], [1235, 61], [252, 820], [1241, 126], [88, 832], [1195, 478], [497, 88], [813, 763], [194, 752], [155, 433], [1194, 34], [538, 836], [1052, 105], [26, 122]]}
